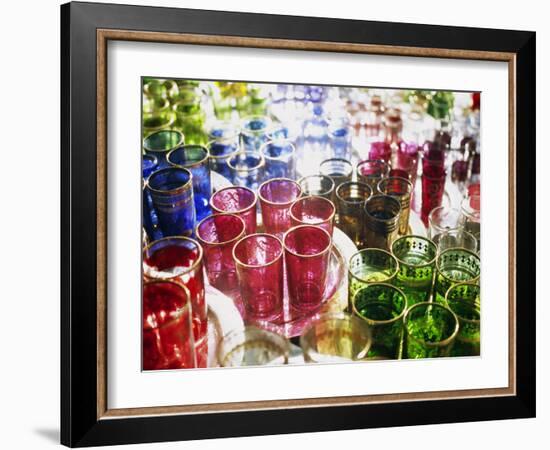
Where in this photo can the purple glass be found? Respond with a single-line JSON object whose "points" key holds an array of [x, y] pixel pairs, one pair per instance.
{"points": [[259, 263], [433, 186], [276, 197], [218, 234], [313, 210], [307, 255], [380, 150], [237, 200]]}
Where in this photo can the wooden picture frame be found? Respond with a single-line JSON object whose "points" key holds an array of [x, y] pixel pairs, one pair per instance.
{"points": [[85, 30]]}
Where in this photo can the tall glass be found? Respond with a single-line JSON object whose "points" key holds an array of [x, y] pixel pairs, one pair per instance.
{"points": [[259, 263], [382, 214], [179, 259], [430, 331], [307, 254], [167, 335], [280, 159], [371, 172], [319, 185], [401, 189], [464, 300], [237, 200], [223, 142], [442, 219], [455, 265], [416, 256], [218, 234], [433, 187], [195, 159], [254, 132], [171, 192], [160, 143], [350, 200], [336, 337], [276, 197], [313, 210], [247, 169], [471, 216], [382, 306]]}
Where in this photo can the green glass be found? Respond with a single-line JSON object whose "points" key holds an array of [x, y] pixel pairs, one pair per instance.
{"points": [[430, 331], [455, 265], [190, 120], [155, 105], [156, 121], [416, 256], [463, 299], [160, 143], [382, 306], [157, 88], [441, 104], [370, 265]]}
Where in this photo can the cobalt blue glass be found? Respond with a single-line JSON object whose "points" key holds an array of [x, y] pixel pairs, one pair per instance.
{"points": [[339, 138], [224, 141], [150, 218], [160, 143], [149, 163], [247, 169], [195, 159], [280, 159], [171, 192], [254, 132]]}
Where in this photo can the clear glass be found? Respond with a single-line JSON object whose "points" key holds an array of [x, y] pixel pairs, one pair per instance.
{"points": [[317, 185], [441, 219]]}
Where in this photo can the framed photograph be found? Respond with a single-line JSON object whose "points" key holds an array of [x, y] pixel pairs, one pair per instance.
{"points": [[272, 224]]}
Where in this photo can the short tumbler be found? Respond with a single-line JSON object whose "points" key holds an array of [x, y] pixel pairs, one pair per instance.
{"points": [[382, 214], [280, 159], [276, 197], [350, 205], [453, 266], [237, 200], [160, 143], [401, 189], [463, 299], [247, 169], [313, 210]]}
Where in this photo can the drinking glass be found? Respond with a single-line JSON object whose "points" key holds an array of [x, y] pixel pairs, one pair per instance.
{"points": [[195, 159], [171, 191], [276, 197], [237, 200], [463, 299], [157, 121], [471, 216], [319, 185], [382, 214], [442, 219], [218, 234], [401, 189], [433, 187], [179, 259], [280, 159], [190, 118], [350, 200], [160, 143], [416, 256], [382, 307], [159, 88], [307, 254], [254, 132], [167, 335], [453, 266], [252, 347], [340, 170], [313, 210], [259, 263], [149, 163], [380, 150], [335, 338], [455, 238], [405, 161], [223, 142], [339, 139], [430, 331], [371, 172], [247, 169]]}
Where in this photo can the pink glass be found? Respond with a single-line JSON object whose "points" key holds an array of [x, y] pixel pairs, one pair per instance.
{"points": [[405, 162], [313, 210], [237, 200], [380, 150], [371, 171], [179, 259], [167, 335], [259, 263], [276, 198], [218, 234], [307, 253], [433, 152], [433, 186]]}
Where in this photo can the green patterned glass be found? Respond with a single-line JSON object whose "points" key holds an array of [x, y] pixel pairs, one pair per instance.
{"points": [[416, 256], [455, 265], [157, 121], [382, 306], [430, 331], [463, 299]]}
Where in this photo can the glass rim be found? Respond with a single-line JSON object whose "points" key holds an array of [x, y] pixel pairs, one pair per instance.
{"points": [[180, 142], [357, 183], [269, 202], [380, 322], [442, 343], [212, 217], [260, 164], [400, 179], [185, 308], [390, 256], [186, 269], [190, 165], [449, 231], [316, 229], [459, 249], [468, 210], [336, 160], [381, 162], [257, 266], [226, 156], [464, 283], [440, 208], [422, 238], [309, 198], [186, 186], [277, 158], [240, 211], [321, 177], [250, 118]]}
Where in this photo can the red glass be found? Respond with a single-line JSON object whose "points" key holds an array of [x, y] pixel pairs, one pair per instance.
{"points": [[218, 234], [433, 151], [433, 186], [313, 210], [179, 259], [276, 198], [380, 150], [307, 253], [167, 335], [259, 263], [405, 162], [237, 200]]}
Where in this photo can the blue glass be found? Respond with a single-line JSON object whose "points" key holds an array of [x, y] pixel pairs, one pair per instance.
{"points": [[339, 140], [313, 149], [195, 159], [160, 143], [224, 141], [247, 169], [171, 192], [280, 159], [254, 132], [150, 218], [149, 163]]}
